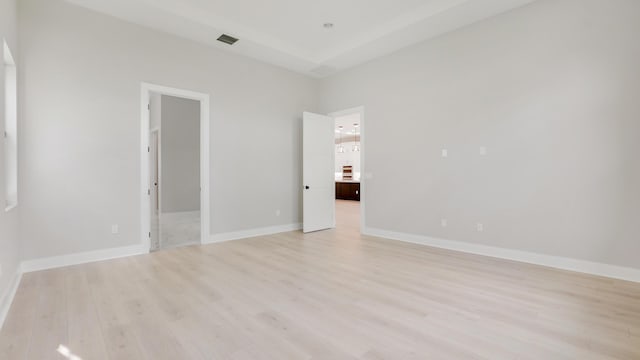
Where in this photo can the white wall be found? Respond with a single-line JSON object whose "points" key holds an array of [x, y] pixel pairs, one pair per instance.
{"points": [[9, 244], [81, 132], [180, 179], [348, 157], [551, 90]]}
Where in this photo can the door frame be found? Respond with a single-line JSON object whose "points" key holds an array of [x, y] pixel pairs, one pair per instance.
{"points": [[363, 174], [158, 133], [205, 125], [158, 169]]}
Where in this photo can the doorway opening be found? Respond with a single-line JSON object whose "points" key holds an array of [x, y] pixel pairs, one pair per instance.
{"points": [[175, 167], [348, 169], [333, 171]]}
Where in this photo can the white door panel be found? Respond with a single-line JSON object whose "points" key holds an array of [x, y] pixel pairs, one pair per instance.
{"points": [[318, 172]]}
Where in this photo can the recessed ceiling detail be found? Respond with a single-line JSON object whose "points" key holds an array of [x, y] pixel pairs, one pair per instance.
{"points": [[287, 33]]}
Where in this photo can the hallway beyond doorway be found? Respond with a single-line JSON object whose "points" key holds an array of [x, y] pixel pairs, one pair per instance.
{"points": [[348, 215]]}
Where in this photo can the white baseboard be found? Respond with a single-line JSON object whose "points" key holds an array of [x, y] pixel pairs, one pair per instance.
{"points": [[82, 258], [7, 297], [583, 266], [243, 234]]}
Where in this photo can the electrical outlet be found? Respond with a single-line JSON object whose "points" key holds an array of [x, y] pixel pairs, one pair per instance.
{"points": [[483, 151], [480, 227], [443, 222], [445, 153], [277, 212], [115, 229]]}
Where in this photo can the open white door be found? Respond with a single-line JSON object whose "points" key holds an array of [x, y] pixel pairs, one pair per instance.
{"points": [[318, 179]]}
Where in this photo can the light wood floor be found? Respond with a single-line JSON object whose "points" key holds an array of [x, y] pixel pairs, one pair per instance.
{"points": [[326, 295]]}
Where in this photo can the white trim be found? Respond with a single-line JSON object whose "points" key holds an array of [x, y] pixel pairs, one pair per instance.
{"points": [[243, 234], [11, 138], [205, 119], [82, 258], [7, 298], [159, 165], [158, 169], [564, 263], [363, 185]]}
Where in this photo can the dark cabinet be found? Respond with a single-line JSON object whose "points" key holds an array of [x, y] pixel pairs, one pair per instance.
{"points": [[348, 191]]}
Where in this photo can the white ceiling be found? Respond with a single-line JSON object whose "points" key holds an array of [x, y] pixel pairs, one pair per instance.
{"points": [[290, 33]]}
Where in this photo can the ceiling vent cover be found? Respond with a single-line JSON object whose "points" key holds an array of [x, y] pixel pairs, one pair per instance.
{"points": [[227, 39]]}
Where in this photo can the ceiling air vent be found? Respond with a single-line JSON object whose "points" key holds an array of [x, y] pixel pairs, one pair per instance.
{"points": [[227, 39]]}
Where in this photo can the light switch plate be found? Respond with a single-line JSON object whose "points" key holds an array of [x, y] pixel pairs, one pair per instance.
{"points": [[445, 153]]}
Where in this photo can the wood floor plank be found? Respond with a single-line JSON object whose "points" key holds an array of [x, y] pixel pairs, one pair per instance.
{"points": [[84, 337], [327, 295], [18, 327], [50, 328]]}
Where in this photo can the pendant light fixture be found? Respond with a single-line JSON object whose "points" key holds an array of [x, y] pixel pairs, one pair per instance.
{"points": [[340, 146], [356, 146]]}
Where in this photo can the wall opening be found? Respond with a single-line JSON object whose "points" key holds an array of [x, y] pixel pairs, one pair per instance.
{"points": [[150, 205], [174, 159], [349, 169]]}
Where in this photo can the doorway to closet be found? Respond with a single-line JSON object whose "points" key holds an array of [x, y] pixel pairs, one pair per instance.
{"points": [[175, 167]]}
